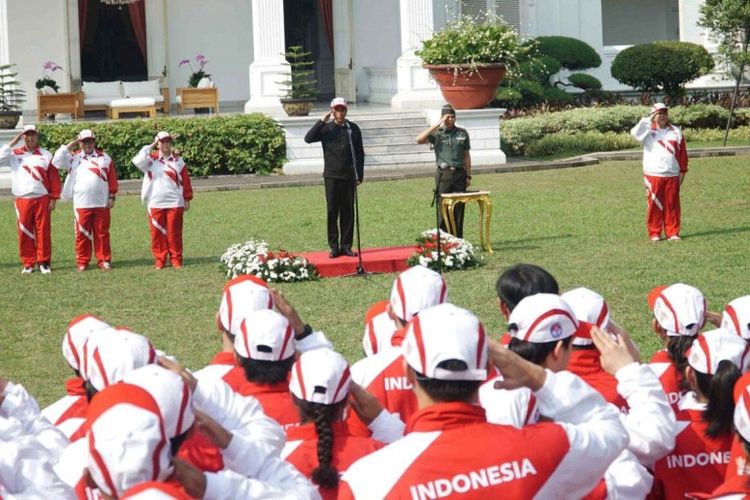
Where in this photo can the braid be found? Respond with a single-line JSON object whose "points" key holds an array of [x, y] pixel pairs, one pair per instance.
{"points": [[325, 475]]}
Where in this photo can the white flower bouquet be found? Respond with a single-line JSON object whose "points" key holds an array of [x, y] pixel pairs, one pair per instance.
{"points": [[254, 257], [455, 253]]}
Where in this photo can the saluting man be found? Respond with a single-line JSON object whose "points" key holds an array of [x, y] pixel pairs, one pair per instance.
{"points": [[167, 192], [665, 163], [92, 185], [36, 187]]}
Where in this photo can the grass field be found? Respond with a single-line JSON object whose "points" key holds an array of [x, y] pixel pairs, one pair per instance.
{"points": [[584, 225]]}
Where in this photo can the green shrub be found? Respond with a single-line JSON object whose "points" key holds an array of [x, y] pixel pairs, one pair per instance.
{"points": [[584, 81], [556, 95], [237, 144], [586, 142], [572, 53], [508, 95], [665, 66], [739, 134], [699, 116]]}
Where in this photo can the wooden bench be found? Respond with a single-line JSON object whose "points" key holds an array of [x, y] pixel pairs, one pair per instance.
{"points": [[47, 104], [132, 105], [191, 98], [82, 109]]}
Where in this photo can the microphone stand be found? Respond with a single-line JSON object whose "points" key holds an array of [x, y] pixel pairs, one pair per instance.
{"points": [[437, 215], [360, 267]]}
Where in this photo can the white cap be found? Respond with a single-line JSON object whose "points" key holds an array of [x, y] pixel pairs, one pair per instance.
{"points": [[659, 106], [416, 289], [680, 309], [29, 128], [736, 317], [155, 490], [76, 336], [541, 318], [86, 134], [320, 376], [742, 414], [338, 101], [442, 333], [589, 307], [242, 295], [714, 346], [111, 353], [171, 393], [126, 439], [162, 135], [379, 329], [264, 335]]}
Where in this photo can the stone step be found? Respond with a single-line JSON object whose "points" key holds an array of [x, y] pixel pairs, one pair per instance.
{"points": [[410, 157], [396, 130], [388, 123], [378, 140], [395, 148]]}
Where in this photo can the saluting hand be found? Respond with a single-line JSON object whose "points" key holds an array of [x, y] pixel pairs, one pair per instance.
{"points": [[364, 404], [190, 477], [326, 116], [517, 372], [16, 138]]}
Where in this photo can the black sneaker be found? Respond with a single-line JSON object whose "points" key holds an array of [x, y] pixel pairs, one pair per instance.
{"points": [[334, 253]]}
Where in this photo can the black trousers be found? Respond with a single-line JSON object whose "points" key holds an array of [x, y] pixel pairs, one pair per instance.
{"points": [[453, 181], [340, 203]]}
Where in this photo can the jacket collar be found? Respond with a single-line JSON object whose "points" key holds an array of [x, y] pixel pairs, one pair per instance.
{"points": [[442, 416], [236, 378]]}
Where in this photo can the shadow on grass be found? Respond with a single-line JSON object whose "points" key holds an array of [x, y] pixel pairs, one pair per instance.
{"points": [[523, 243], [187, 262], [712, 232]]}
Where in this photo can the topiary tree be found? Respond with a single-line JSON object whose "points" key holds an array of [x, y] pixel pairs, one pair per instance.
{"points": [[572, 53], [662, 66], [584, 81]]}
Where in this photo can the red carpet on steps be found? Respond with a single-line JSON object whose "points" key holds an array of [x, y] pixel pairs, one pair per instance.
{"points": [[374, 260]]}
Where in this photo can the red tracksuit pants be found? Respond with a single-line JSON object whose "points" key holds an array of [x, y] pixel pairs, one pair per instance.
{"points": [[166, 234], [34, 230], [663, 201], [92, 230]]}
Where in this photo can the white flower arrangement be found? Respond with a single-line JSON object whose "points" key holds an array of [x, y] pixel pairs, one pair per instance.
{"points": [[254, 257], [455, 253]]}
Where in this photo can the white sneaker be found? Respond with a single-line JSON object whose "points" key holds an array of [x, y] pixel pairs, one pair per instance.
{"points": [[655, 238], [27, 270], [44, 269], [674, 238], [106, 266]]}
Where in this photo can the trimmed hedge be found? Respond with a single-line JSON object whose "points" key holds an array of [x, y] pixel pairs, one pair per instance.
{"points": [[572, 53], [237, 144], [519, 133]]}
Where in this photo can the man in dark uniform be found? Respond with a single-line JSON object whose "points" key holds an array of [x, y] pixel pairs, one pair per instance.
{"points": [[341, 140], [451, 145]]}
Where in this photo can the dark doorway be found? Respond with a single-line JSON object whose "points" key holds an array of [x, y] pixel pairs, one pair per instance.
{"points": [[109, 47], [304, 25]]}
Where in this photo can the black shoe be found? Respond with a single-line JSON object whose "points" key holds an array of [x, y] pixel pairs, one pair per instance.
{"points": [[348, 252], [334, 253]]}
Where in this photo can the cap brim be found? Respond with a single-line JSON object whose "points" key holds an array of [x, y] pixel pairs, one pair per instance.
{"points": [[654, 294]]}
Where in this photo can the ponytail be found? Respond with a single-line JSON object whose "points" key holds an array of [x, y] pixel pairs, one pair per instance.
{"points": [[324, 475], [719, 387], [677, 348]]}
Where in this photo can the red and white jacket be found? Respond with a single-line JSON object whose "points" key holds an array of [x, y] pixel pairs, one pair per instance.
{"points": [[32, 172], [379, 328], [664, 149], [69, 412], [739, 465], [697, 463], [275, 399], [91, 180], [736, 488], [301, 450], [586, 364], [166, 183], [670, 378], [451, 449]]}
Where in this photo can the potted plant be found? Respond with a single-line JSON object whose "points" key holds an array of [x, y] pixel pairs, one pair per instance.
{"points": [[46, 80], [299, 88], [194, 80], [468, 59], [11, 97]]}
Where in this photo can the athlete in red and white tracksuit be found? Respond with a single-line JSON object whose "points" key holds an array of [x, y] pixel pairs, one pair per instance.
{"points": [[36, 186], [379, 327], [670, 378], [167, 192], [92, 185], [665, 163]]}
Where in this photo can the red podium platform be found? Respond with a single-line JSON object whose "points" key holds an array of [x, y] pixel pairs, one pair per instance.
{"points": [[374, 260]]}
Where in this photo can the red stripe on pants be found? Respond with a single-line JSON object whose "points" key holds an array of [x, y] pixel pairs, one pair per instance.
{"points": [[95, 221], [667, 191], [169, 245], [34, 214]]}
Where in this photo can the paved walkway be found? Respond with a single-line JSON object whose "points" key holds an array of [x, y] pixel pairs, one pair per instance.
{"points": [[252, 181]]}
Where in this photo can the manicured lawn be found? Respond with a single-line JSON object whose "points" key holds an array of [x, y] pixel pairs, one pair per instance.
{"points": [[585, 225]]}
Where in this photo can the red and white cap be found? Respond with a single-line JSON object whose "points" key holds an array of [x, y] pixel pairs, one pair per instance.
{"points": [[416, 289], [320, 376], [742, 414], [162, 136], [442, 333], [170, 392], [658, 106], [86, 134], [111, 353], [680, 309], [156, 490], [29, 128], [588, 307], [241, 296], [264, 335], [76, 336], [338, 101], [736, 317], [541, 318], [126, 439], [714, 346]]}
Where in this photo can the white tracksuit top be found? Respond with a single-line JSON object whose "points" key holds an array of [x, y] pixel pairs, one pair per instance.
{"points": [[88, 183], [664, 149]]}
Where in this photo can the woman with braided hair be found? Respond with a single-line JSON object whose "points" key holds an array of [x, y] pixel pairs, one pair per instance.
{"points": [[322, 447]]}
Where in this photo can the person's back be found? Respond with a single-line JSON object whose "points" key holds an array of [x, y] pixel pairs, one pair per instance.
{"points": [[274, 397]]}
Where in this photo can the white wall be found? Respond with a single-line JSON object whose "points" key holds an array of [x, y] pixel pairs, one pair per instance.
{"points": [[377, 38], [34, 39], [221, 31], [630, 22]]}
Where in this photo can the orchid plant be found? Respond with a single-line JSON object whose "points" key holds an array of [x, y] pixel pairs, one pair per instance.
{"points": [[196, 76], [48, 68]]}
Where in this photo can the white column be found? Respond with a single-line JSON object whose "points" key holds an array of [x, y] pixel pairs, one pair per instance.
{"points": [[157, 52], [73, 62], [269, 66], [343, 55], [415, 87]]}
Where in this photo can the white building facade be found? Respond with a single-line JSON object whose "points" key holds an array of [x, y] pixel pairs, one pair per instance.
{"points": [[364, 49]]}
